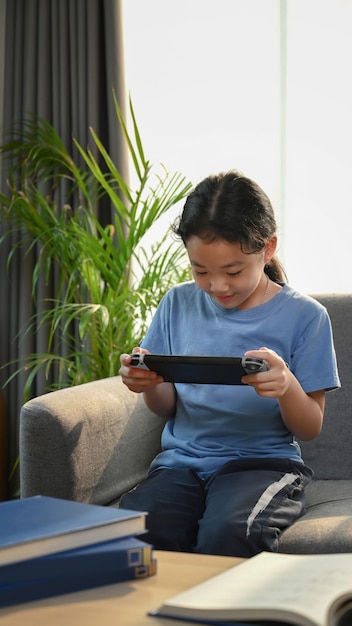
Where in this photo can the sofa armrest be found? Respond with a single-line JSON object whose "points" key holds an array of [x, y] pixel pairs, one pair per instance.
{"points": [[89, 443]]}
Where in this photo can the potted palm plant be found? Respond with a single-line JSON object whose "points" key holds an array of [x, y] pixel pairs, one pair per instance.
{"points": [[109, 278]]}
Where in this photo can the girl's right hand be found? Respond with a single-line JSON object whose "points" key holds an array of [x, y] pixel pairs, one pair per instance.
{"points": [[137, 380]]}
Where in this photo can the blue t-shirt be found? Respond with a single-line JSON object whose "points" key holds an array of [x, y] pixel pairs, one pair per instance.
{"points": [[214, 424]]}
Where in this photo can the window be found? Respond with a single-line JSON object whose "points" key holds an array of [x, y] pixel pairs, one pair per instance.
{"points": [[262, 86]]}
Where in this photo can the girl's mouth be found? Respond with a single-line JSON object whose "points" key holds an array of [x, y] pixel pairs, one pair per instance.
{"points": [[223, 298]]}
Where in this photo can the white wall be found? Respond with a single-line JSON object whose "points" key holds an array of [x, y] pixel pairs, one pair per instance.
{"points": [[318, 218], [220, 85]]}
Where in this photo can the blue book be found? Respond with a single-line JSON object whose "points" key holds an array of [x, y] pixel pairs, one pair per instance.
{"points": [[37, 590], [40, 525], [75, 570], [98, 560]]}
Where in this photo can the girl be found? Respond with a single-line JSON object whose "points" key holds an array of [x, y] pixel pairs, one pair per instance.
{"points": [[230, 477]]}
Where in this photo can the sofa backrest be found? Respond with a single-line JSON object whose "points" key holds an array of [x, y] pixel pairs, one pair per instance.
{"points": [[330, 454]]}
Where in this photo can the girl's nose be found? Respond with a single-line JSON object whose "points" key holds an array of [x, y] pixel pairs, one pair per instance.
{"points": [[218, 285]]}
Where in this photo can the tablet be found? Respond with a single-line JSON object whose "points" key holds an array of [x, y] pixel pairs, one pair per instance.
{"points": [[210, 370]]}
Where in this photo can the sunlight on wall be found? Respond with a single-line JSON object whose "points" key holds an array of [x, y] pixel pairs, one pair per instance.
{"points": [[205, 82], [319, 140]]}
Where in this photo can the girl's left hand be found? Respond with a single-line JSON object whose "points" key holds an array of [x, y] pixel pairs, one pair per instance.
{"points": [[276, 381]]}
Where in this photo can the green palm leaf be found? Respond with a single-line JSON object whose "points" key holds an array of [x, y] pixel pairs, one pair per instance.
{"points": [[108, 280]]}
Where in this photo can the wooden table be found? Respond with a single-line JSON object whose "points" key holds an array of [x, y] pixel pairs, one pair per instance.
{"points": [[122, 604]]}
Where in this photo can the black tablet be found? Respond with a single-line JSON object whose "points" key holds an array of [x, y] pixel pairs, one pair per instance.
{"points": [[210, 370]]}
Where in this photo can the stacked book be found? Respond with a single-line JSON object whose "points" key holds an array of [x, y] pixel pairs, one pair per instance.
{"points": [[50, 546]]}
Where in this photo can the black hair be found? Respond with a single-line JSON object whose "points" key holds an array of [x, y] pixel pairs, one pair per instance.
{"points": [[234, 208]]}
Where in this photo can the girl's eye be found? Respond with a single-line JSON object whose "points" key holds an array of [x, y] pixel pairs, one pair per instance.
{"points": [[197, 273], [234, 273]]}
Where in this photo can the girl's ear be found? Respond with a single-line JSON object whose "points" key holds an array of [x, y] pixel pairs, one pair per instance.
{"points": [[270, 249]]}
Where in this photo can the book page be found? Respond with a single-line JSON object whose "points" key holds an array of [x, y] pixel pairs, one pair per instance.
{"points": [[270, 586]]}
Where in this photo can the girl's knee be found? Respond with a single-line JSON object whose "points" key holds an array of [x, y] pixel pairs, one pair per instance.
{"points": [[228, 538], [223, 537]]}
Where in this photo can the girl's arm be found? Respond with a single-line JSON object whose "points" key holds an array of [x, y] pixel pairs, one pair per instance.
{"points": [[160, 397], [301, 412]]}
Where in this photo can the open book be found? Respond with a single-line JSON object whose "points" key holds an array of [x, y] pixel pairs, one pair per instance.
{"points": [[304, 590]]}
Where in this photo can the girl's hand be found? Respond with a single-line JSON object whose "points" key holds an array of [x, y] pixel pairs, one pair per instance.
{"points": [[137, 380], [276, 381], [301, 412]]}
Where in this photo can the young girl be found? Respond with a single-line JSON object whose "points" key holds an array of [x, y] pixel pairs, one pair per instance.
{"points": [[230, 477]]}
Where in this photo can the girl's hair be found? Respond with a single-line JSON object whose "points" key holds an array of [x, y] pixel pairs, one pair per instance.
{"points": [[234, 208]]}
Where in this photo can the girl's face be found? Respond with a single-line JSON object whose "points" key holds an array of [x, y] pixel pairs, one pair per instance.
{"points": [[231, 277]]}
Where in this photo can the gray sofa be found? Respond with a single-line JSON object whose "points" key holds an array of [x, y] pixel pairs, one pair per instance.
{"points": [[95, 441]]}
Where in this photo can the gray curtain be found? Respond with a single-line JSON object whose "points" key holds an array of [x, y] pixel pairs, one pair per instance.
{"points": [[61, 61]]}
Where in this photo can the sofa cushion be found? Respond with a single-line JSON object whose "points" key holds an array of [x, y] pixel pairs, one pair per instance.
{"points": [[329, 454], [89, 443], [326, 525]]}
